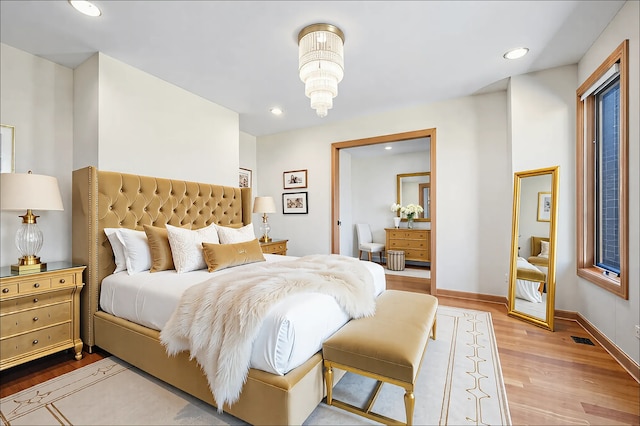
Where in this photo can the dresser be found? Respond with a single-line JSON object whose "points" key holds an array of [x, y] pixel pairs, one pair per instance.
{"points": [[39, 313], [275, 246], [414, 242]]}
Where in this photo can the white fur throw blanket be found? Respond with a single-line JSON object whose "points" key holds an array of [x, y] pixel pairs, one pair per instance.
{"points": [[218, 320]]}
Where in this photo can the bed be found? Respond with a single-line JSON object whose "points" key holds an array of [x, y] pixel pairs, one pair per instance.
{"points": [[539, 251], [104, 200], [529, 281]]}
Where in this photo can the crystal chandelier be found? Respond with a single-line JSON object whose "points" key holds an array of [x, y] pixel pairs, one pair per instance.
{"points": [[321, 64]]}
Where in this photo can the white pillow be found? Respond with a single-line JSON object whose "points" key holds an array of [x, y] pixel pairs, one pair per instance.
{"points": [[136, 250], [186, 246], [544, 252], [118, 249], [229, 235]]}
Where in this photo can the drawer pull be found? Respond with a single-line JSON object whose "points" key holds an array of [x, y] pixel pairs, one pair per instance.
{"points": [[35, 300], [35, 319], [62, 281], [35, 342], [5, 290], [37, 285]]}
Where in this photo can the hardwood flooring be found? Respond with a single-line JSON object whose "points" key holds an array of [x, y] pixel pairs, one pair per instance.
{"points": [[550, 379]]}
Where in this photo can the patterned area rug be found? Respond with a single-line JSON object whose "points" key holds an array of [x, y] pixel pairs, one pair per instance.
{"points": [[460, 383]]}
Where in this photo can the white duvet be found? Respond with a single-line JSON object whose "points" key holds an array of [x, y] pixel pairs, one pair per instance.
{"points": [[292, 332], [525, 289]]}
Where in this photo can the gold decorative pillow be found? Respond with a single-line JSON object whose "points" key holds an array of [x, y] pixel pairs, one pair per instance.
{"points": [[221, 256], [161, 256]]}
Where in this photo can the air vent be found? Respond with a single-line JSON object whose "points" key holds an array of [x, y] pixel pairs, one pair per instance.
{"points": [[582, 340]]}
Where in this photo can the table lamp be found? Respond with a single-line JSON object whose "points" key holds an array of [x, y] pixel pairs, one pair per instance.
{"points": [[264, 205], [26, 191]]}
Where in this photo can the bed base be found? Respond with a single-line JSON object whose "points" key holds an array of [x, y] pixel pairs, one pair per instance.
{"points": [[265, 399]]}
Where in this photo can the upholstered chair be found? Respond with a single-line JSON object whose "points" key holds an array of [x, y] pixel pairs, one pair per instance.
{"points": [[365, 242]]}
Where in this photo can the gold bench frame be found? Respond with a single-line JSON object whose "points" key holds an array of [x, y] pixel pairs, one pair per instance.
{"points": [[409, 397]]}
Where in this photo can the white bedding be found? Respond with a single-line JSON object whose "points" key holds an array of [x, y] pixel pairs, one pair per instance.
{"points": [[525, 289], [292, 332]]}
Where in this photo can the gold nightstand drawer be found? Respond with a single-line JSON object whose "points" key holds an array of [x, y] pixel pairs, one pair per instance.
{"points": [[35, 341], [9, 290], [32, 285], [275, 247], [20, 322], [62, 280], [34, 301]]}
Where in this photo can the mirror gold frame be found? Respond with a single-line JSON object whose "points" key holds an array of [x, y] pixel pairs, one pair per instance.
{"points": [[424, 186], [524, 276]]}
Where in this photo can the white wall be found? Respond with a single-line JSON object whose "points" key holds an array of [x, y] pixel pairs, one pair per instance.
{"points": [[473, 184], [150, 127], [126, 120], [543, 135], [612, 315], [373, 190], [36, 96]]}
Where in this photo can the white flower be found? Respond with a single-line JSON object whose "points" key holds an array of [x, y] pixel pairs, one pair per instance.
{"points": [[395, 207], [412, 210]]}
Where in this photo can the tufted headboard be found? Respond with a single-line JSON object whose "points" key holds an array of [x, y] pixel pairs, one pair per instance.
{"points": [[104, 199]]}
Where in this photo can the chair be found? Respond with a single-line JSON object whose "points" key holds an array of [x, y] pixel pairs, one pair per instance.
{"points": [[365, 241]]}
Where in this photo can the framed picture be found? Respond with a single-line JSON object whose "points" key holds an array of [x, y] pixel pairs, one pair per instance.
{"points": [[295, 179], [544, 206], [244, 178], [295, 203], [7, 148]]}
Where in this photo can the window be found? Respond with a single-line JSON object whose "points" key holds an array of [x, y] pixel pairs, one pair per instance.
{"points": [[602, 181]]}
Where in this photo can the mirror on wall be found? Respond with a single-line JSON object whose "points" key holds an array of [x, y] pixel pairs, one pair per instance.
{"points": [[415, 188], [533, 246]]}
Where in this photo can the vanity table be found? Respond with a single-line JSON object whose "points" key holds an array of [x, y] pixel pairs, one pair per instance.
{"points": [[414, 242]]}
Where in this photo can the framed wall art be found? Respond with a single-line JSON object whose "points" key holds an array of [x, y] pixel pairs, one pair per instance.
{"points": [[544, 206], [7, 148], [295, 203], [244, 176], [295, 179]]}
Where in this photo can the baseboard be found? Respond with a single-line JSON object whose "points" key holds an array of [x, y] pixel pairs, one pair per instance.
{"points": [[472, 296], [623, 359]]}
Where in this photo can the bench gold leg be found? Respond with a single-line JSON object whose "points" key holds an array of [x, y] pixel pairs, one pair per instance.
{"points": [[433, 329], [409, 403], [328, 380]]}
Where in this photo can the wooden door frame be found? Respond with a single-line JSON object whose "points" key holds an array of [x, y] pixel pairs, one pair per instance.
{"points": [[335, 185]]}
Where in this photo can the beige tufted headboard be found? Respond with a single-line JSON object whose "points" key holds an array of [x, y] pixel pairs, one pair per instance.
{"points": [[110, 199]]}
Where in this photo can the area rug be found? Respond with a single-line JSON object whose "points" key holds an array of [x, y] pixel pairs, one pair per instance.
{"points": [[460, 383]]}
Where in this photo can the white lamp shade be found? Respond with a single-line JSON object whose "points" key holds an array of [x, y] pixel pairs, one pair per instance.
{"points": [[264, 205], [26, 191]]}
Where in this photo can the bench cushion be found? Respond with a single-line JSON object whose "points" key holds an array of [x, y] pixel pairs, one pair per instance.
{"points": [[390, 343]]}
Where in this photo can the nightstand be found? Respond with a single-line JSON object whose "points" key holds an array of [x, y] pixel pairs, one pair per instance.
{"points": [[275, 246], [39, 313]]}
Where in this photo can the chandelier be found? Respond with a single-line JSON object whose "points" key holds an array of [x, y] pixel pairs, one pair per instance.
{"points": [[321, 64]]}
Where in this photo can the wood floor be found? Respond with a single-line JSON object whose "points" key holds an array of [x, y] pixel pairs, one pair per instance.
{"points": [[550, 379]]}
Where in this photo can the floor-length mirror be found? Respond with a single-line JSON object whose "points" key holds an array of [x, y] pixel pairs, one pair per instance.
{"points": [[533, 246]]}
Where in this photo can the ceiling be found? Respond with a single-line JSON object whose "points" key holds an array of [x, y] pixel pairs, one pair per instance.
{"points": [[243, 55]]}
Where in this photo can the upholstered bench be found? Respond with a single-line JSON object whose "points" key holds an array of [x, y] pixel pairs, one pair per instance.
{"points": [[388, 347]]}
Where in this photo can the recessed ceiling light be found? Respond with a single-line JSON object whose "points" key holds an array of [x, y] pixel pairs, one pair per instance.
{"points": [[85, 7], [388, 148], [516, 53], [276, 111]]}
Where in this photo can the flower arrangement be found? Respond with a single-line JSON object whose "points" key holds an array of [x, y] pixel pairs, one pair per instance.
{"points": [[411, 210]]}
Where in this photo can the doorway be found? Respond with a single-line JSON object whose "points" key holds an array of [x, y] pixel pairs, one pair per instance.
{"points": [[386, 139]]}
